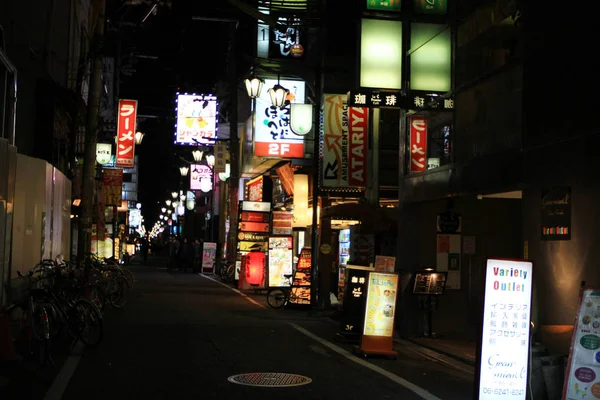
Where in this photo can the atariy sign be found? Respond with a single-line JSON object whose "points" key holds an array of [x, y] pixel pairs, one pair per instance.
{"points": [[502, 369], [126, 133]]}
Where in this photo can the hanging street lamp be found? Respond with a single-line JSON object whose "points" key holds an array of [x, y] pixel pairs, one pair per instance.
{"points": [[254, 86], [278, 95]]}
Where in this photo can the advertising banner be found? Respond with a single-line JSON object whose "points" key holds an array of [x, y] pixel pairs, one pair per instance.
{"points": [[302, 279], [418, 143], [126, 133], [272, 135], [287, 39], [344, 143], [282, 223], [583, 369], [280, 261], [196, 119], [113, 182], [209, 255], [254, 189], [200, 177], [382, 290], [503, 367]]}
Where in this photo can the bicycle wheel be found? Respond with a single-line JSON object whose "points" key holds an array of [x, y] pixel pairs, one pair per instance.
{"points": [[86, 322], [119, 293], [127, 274], [41, 334], [276, 298]]}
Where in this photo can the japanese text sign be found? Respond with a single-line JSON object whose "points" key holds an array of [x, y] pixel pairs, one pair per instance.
{"points": [[273, 136], [503, 366], [196, 119], [200, 177], [418, 143], [429, 101], [382, 290], [126, 133], [375, 98], [112, 181], [344, 143]]}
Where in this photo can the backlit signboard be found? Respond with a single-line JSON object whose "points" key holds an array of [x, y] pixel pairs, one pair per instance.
{"points": [[382, 289], [126, 133], [503, 367], [273, 136], [196, 119], [200, 177]]}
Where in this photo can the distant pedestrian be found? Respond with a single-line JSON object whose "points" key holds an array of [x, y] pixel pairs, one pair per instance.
{"points": [[174, 246]]}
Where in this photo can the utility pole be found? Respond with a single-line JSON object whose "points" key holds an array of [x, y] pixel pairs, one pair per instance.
{"points": [[84, 242], [234, 179]]}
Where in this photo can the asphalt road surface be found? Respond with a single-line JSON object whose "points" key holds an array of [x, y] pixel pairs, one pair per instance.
{"points": [[181, 336]]}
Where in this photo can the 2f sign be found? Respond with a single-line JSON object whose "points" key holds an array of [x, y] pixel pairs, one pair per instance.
{"points": [[279, 149]]}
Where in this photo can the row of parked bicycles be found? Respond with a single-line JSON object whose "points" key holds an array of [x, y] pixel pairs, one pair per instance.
{"points": [[56, 299]]}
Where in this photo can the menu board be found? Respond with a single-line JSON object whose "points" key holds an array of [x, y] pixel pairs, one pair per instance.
{"points": [[503, 367], [355, 290], [280, 261], [302, 279], [282, 223], [583, 370], [430, 283], [382, 291], [209, 255]]}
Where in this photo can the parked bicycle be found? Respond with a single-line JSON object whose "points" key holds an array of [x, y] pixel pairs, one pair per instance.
{"points": [[280, 296]]}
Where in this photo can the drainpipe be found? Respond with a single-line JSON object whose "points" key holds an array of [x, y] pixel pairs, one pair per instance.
{"points": [[12, 101]]}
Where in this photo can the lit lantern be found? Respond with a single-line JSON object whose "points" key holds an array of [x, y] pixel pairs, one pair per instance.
{"points": [[255, 267], [278, 95], [301, 118], [297, 50]]}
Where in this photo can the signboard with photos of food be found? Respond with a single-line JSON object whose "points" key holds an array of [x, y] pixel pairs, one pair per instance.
{"points": [[382, 290], [302, 279], [583, 369], [503, 368], [280, 261]]}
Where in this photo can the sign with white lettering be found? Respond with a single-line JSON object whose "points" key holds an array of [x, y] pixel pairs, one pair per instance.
{"points": [[344, 143], [374, 98], [503, 366], [126, 133], [103, 153], [418, 143]]}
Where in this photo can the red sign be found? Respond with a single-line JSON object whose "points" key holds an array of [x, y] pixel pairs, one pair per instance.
{"points": [[254, 227], [254, 189], [126, 133], [254, 217], [358, 146], [112, 181], [418, 144], [284, 150]]}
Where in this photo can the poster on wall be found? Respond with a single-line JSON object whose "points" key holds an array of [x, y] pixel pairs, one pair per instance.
{"points": [[503, 365], [272, 134], [448, 258], [556, 213], [344, 150], [209, 256], [583, 368], [280, 261]]}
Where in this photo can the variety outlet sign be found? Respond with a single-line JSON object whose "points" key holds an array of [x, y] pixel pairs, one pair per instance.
{"points": [[506, 329]]}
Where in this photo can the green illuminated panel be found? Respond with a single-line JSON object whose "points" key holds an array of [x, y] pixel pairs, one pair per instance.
{"points": [[431, 57], [384, 5], [381, 54]]}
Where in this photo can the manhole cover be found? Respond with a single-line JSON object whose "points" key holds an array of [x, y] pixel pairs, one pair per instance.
{"points": [[269, 379]]}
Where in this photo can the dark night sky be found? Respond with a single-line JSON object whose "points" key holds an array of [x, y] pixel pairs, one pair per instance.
{"points": [[190, 56]]}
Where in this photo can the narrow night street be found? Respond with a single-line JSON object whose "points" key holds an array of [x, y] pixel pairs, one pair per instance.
{"points": [[182, 335]]}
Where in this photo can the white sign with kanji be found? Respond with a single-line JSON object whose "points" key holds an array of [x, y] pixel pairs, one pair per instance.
{"points": [[273, 136], [126, 133]]}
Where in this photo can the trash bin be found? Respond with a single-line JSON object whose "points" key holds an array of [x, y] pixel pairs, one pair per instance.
{"points": [[554, 375], [538, 383]]}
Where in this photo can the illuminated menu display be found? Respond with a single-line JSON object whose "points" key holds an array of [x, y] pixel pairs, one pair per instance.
{"points": [[583, 370], [382, 290], [506, 325]]}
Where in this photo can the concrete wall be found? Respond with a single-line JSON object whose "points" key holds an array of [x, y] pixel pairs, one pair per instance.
{"points": [[496, 225]]}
